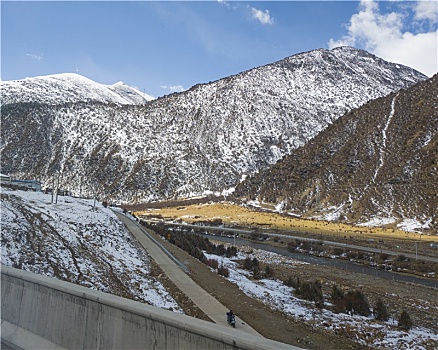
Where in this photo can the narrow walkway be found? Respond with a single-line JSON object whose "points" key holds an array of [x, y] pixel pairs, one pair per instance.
{"points": [[174, 271]]}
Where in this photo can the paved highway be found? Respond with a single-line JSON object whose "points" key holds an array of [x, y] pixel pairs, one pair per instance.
{"points": [[344, 245], [174, 270], [346, 265]]}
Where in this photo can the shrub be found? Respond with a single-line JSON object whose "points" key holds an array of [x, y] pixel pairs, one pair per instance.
{"points": [[306, 245], [351, 255], [231, 251], [256, 273], [337, 297], [292, 282], [213, 263], [380, 311], [220, 250], [311, 291], [292, 246], [318, 247], [223, 271], [254, 266], [383, 256], [404, 321], [269, 272], [338, 251], [356, 302], [337, 293], [247, 264], [339, 306]]}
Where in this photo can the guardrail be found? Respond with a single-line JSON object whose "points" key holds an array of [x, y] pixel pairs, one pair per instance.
{"points": [[43, 312]]}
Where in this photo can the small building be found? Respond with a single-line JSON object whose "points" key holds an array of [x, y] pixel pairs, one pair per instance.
{"points": [[5, 178], [29, 184]]}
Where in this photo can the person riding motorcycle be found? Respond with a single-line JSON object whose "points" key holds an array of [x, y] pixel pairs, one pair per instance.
{"points": [[231, 318]]}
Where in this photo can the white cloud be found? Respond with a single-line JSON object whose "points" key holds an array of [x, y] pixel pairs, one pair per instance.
{"points": [[426, 10], [263, 17], [383, 35], [35, 57], [223, 2], [173, 88]]}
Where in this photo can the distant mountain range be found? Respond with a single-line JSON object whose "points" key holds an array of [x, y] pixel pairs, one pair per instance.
{"points": [[378, 162], [68, 88], [95, 139]]}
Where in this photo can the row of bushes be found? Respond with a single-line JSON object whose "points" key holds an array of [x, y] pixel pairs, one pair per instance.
{"points": [[221, 270], [352, 302], [253, 265], [195, 245], [400, 262]]}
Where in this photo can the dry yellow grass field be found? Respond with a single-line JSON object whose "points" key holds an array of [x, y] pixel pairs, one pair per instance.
{"points": [[241, 216]]}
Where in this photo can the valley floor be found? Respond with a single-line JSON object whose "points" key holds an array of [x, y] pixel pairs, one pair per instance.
{"points": [[287, 319], [83, 242]]}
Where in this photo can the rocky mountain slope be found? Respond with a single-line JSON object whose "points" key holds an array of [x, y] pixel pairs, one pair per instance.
{"points": [[206, 138], [378, 161]]}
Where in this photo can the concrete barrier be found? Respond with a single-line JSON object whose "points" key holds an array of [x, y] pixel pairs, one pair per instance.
{"points": [[45, 313]]}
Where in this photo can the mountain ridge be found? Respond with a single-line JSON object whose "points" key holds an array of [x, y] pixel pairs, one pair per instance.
{"points": [[69, 87], [204, 139]]}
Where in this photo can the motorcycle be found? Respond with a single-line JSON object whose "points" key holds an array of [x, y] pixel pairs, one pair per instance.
{"points": [[231, 319]]}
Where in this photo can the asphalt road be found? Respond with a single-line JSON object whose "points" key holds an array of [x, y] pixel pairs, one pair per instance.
{"points": [[175, 271], [342, 264], [344, 245]]}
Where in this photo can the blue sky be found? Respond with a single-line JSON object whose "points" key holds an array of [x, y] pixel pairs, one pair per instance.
{"points": [[167, 46]]}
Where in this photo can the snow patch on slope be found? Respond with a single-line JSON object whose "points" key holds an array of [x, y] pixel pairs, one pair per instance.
{"points": [[75, 241], [383, 146]]}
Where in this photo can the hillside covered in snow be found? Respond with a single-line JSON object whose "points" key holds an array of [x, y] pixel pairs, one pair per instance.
{"points": [[205, 139], [69, 88], [78, 241]]}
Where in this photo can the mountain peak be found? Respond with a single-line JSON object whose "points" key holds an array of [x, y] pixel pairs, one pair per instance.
{"points": [[69, 87]]}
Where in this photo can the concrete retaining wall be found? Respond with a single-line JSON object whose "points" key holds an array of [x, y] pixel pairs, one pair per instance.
{"points": [[42, 312]]}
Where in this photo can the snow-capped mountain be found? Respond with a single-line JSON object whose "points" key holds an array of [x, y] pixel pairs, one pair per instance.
{"points": [[205, 138], [68, 87], [130, 94], [376, 165]]}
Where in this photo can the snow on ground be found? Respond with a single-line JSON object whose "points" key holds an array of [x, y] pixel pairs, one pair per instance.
{"points": [[364, 330], [378, 221], [75, 241], [413, 225]]}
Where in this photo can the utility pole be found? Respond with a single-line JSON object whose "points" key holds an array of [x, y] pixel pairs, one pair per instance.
{"points": [[416, 250], [53, 188], [57, 189]]}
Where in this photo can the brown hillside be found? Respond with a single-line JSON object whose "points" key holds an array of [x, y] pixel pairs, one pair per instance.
{"points": [[380, 160]]}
